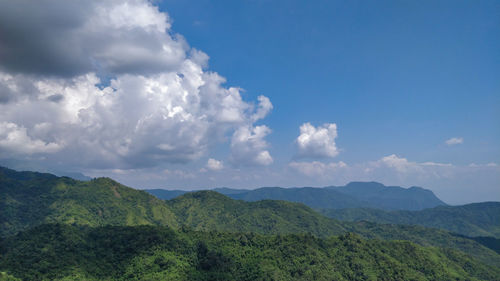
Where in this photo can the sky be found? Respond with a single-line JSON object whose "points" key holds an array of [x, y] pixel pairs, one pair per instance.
{"points": [[201, 94]]}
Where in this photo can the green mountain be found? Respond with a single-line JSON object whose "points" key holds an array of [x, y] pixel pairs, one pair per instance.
{"points": [[353, 195], [478, 219], [65, 252], [209, 210], [28, 199]]}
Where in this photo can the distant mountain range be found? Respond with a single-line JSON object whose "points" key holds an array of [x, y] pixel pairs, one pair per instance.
{"points": [[37, 201], [352, 195]]}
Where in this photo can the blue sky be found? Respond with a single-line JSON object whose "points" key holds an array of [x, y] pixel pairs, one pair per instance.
{"points": [[396, 76], [201, 94]]}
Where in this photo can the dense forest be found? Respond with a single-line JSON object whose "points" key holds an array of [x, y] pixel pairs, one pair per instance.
{"points": [[61, 228], [478, 219], [67, 252]]}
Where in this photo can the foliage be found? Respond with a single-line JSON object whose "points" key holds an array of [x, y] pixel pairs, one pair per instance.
{"points": [[66, 252], [209, 210], [30, 198], [477, 219]]}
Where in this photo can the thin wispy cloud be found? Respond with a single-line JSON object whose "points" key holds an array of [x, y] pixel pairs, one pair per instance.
{"points": [[454, 141]]}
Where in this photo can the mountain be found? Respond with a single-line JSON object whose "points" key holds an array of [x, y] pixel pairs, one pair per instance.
{"points": [[477, 219], [166, 194], [209, 210], [353, 195], [29, 198], [74, 175], [66, 252], [390, 197]]}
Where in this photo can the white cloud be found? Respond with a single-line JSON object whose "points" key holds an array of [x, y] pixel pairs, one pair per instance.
{"points": [[77, 37], [317, 142], [214, 165], [15, 139], [387, 168], [265, 106], [248, 146], [160, 105], [317, 169], [454, 141]]}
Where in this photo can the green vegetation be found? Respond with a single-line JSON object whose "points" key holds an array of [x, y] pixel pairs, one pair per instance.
{"points": [[209, 210], [65, 252], [30, 199], [478, 219], [73, 248]]}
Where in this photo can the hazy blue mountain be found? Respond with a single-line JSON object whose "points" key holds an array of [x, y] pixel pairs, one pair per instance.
{"points": [[228, 191], [353, 195], [390, 197], [166, 194], [477, 219], [313, 197], [74, 175]]}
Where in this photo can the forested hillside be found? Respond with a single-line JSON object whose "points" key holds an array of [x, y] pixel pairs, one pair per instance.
{"points": [[478, 219], [66, 252], [32, 199]]}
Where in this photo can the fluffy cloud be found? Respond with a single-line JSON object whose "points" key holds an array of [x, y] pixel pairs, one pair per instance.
{"points": [[454, 141], [14, 139], [107, 84], [249, 147], [317, 141], [77, 37], [214, 165]]}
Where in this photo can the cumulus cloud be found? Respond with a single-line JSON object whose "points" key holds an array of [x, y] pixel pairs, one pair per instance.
{"points": [[454, 141], [317, 141], [15, 139], [249, 147], [214, 165], [77, 37], [107, 84]]}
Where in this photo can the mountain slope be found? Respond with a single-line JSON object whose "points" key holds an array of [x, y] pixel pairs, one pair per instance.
{"points": [[67, 252], [312, 197], [353, 195], [478, 219], [30, 198], [390, 197], [209, 210]]}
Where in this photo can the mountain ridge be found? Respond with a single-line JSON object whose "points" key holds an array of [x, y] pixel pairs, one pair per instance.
{"points": [[43, 198], [352, 195]]}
